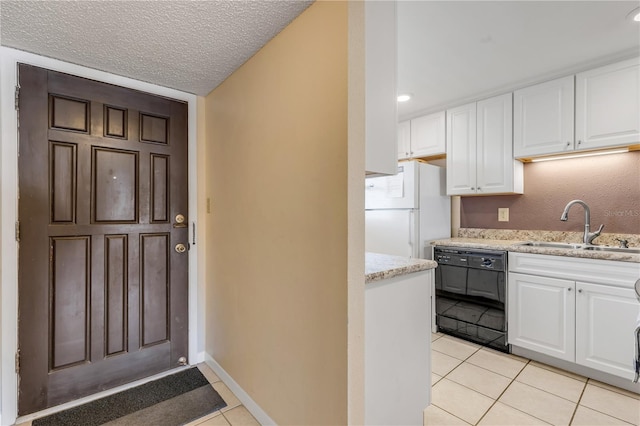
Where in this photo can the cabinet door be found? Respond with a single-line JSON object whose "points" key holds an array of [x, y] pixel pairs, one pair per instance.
{"points": [[608, 105], [461, 150], [497, 171], [605, 323], [541, 315], [428, 135], [404, 140], [543, 118]]}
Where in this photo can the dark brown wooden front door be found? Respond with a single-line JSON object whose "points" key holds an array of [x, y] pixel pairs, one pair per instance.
{"points": [[102, 286]]}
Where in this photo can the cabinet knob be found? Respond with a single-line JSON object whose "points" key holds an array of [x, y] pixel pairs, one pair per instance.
{"points": [[568, 143], [580, 291], [472, 188], [569, 289], [579, 142]]}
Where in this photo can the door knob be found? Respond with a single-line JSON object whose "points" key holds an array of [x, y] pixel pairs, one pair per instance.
{"points": [[180, 248]]}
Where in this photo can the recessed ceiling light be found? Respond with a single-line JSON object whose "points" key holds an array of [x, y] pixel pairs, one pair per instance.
{"points": [[404, 97], [634, 15]]}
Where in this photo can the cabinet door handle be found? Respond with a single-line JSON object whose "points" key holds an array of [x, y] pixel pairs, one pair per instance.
{"points": [[569, 289], [580, 291]]}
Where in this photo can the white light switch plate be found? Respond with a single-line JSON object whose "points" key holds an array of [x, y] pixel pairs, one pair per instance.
{"points": [[503, 214]]}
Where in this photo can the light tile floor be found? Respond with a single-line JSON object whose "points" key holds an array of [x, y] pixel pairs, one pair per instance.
{"points": [[473, 385], [234, 414]]}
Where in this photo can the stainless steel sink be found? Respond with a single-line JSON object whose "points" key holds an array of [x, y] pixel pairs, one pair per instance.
{"points": [[544, 244], [571, 246], [633, 250]]}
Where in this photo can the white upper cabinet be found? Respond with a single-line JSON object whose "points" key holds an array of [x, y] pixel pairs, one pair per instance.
{"points": [[381, 117], [480, 149], [422, 136], [608, 106], [497, 171], [461, 150], [428, 135], [404, 140], [543, 118], [604, 111]]}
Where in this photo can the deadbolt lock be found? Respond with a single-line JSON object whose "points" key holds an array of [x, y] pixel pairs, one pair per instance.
{"points": [[180, 221], [180, 248]]}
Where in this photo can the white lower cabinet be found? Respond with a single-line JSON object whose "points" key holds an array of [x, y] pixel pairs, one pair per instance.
{"points": [[542, 315], [606, 317], [577, 310]]}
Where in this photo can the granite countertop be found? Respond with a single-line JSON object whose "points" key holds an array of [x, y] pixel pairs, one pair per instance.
{"points": [[491, 239], [383, 266]]}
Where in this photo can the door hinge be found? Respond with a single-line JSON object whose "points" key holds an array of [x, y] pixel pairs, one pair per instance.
{"points": [[18, 361], [17, 101], [18, 231]]}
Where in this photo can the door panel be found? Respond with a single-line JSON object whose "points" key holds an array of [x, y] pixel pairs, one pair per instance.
{"points": [[102, 293], [69, 314], [116, 293]]}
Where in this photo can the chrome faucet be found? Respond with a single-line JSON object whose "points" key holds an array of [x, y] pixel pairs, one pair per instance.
{"points": [[588, 236]]}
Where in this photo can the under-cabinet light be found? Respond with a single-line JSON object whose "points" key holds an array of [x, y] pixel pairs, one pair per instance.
{"points": [[404, 97], [586, 154]]}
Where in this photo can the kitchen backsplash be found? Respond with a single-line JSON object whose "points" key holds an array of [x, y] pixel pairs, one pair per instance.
{"points": [[609, 184]]}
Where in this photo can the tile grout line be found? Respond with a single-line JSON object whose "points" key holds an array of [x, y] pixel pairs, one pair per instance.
{"points": [[445, 376], [502, 393], [615, 389], [578, 403], [598, 411], [457, 417], [514, 379], [460, 384]]}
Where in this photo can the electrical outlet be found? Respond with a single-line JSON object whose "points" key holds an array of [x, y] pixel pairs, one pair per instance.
{"points": [[503, 214]]}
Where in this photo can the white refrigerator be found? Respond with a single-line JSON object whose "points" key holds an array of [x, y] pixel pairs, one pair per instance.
{"points": [[404, 212]]}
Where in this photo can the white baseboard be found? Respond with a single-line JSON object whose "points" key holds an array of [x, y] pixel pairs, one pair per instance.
{"points": [[244, 397], [200, 357]]}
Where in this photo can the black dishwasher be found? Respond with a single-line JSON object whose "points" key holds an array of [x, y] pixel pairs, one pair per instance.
{"points": [[471, 295]]}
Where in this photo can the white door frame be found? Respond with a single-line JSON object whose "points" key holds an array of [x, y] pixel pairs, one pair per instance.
{"points": [[9, 58]]}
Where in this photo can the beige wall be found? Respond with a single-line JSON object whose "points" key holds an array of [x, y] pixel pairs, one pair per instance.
{"points": [[276, 266], [609, 184]]}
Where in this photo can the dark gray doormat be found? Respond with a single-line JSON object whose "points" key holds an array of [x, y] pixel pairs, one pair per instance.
{"points": [[170, 401]]}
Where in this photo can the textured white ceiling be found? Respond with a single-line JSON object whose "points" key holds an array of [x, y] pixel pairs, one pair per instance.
{"points": [[453, 52], [191, 46]]}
